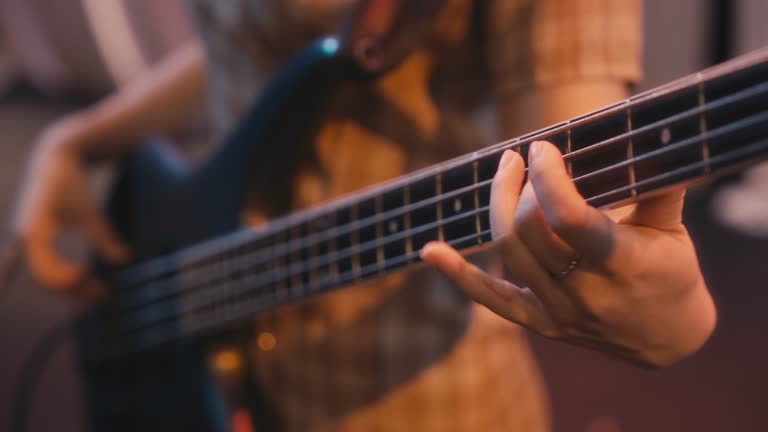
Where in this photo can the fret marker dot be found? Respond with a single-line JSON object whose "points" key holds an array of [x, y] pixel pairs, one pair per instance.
{"points": [[266, 341], [227, 361], [392, 226], [666, 136], [457, 205]]}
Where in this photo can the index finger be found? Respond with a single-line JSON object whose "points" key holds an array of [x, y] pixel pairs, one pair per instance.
{"points": [[586, 229]]}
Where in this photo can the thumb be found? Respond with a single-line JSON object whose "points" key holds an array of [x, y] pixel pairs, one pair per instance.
{"points": [[45, 262], [664, 212], [102, 237], [516, 304]]}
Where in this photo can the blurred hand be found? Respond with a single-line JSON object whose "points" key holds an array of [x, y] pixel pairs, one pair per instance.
{"points": [[630, 287], [56, 196]]}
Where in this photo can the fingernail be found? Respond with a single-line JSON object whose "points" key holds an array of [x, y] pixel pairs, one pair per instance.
{"points": [[425, 250], [534, 150], [430, 245], [506, 158]]}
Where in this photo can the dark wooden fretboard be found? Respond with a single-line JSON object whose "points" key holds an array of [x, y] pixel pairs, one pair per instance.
{"points": [[691, 129]]}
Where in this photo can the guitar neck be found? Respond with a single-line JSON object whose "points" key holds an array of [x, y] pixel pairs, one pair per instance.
{"points": [[691, 129]]}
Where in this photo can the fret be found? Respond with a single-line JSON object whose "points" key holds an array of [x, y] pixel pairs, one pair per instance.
{"points": [[439, 193], [703, 126], [486, 169], [522, 150], [569, 149], [646, 115], [343, 243], [407, 220], [423, 216], [367, 233], [756, 128], [596, 146], [333, 266], [320, 256], [394, 238], [380, 257], [354, 240], [258, 267], [280, 275], [735, 82], [631, 154], [559, 139], [296, 262], [222, 265], [459, 221], [476, 197], [248, 262], [312, 253], [755, 102]]}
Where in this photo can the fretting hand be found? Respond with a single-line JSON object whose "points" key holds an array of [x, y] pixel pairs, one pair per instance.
{"points": [[629, 287]]}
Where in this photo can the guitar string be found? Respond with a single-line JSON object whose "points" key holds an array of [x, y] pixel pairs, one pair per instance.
{"points": [[149, 336], [271, 277], [306, 266], [372, 269], [704, 137], [264, 255], [219, 315], [371, 221], [298, 245], [316, 263], [260, 297]]}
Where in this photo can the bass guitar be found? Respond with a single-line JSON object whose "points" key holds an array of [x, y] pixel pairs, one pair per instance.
{"points": [[199, 274]]}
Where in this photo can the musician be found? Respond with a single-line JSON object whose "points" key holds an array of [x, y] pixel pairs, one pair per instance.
{"points": [[411, 351]]}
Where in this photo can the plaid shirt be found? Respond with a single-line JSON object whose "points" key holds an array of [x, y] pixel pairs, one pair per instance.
{"points": [[408, 352]]}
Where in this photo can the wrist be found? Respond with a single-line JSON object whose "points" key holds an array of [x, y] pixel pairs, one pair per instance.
{"points": [[85, 130], [695, 322], [79, 135]]}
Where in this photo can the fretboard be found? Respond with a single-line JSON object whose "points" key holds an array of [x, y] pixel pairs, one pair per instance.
{"points": [[688, 130]]}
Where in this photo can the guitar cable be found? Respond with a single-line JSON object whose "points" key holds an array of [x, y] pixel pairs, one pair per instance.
{"points": [[10, 261], [34, 364], [31, 371]]}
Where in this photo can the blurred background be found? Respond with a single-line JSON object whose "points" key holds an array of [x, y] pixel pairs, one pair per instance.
{"points": [[56, 56]]}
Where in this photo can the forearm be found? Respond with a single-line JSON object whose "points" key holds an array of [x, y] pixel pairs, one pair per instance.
{"points": [[163, 100]]}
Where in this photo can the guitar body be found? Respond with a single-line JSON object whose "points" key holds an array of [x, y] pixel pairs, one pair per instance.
{"points": [[160, 204], [165, 388]]}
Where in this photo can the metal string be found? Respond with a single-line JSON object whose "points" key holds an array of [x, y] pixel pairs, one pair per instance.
{"points": [[261, 298], [161, 289], [306, 266], [292, 246], [202, 320], [296, 245]]}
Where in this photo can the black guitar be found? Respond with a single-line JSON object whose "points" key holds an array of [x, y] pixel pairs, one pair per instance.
{"points": [[200, 275]]}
